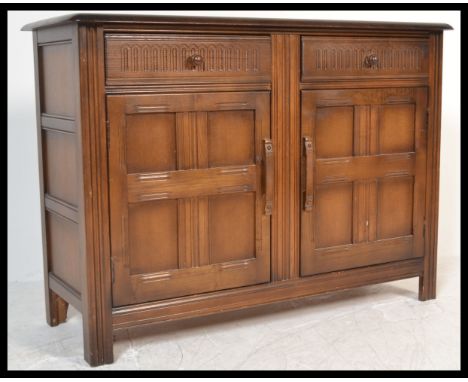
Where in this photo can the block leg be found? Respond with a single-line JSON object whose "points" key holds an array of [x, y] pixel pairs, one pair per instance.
{"points": [[56, 308], [427, 287]]}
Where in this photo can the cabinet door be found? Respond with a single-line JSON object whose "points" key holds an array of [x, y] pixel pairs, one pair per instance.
{"points": [[363, 188], [190, 182]]}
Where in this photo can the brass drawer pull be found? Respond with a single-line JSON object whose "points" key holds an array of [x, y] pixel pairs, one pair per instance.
{"points": [[309, 182], [268, 175], [371, 60], [195, 60]]}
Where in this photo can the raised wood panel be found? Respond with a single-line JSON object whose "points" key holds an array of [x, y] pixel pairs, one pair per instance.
{"points": [[144, 136], [231, 227], [192, 281], [152, 236], [59, 155], [193, 102], [375, 192], [360, 211], [63, 249], [334, 131], [200, 226], [363, 96], [396, 130], [358, 255], [344, 57], [395, 207], [231, 138], [334, 215], [133, 58], [188, 183], [364, 166], [56, 76]]}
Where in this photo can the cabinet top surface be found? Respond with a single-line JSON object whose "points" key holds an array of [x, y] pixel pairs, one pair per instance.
{"points": [[230, 22]]}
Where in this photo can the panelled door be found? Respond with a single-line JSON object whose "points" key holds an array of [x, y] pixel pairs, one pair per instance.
{"points": [[363, 180], [190, 193]]}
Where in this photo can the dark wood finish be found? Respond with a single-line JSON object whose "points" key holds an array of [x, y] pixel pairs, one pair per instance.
{"points": [[63, 249], [338, 58], [427, 283], [96, 264], [206, 177], [60, 165], [189, 217], [168, 58], [56, 306], [203, 23], [369, 151], [63, 289], [223, 301], [286, 136], [268, 175]]}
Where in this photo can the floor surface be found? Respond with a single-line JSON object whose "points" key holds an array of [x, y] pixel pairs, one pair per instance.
{"points": [[377, 327]]}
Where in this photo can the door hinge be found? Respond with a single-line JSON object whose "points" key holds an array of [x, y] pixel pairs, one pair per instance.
{"points": [[424, 229], [112, 271]]}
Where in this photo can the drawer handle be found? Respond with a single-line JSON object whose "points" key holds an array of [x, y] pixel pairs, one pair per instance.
{"points": [[195, 60], [268, 175], [309, 181], [371, 60]]}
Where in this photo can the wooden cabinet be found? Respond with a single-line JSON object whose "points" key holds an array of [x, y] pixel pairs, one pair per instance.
{"points": [[197, 165]]}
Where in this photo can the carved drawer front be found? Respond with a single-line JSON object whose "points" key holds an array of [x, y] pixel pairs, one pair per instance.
{"points": [[325, 58], [184, 58]]}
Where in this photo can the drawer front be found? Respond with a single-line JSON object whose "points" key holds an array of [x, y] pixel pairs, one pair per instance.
{"points": [[184, 58], [354, 58]]}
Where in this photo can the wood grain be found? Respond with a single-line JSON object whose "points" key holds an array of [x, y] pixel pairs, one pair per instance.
{"points": [[427, 283], [96, 264], [375, 193], [158, 58], [223, 301], [170, 244], [326, 59], [285, 128]]}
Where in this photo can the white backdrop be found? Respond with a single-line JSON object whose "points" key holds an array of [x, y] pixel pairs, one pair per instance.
{"points": [[24, 231]]}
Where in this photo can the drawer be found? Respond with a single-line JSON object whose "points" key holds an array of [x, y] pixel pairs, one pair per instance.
{"points": [[329, 58], [185, 58]]}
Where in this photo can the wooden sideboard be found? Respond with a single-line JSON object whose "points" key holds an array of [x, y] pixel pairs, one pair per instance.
{"points": [[197, 165]]}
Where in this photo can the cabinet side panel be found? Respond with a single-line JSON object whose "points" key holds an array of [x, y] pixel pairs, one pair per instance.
{"points": [[60, 165], [63, 249], [56, 67]]}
